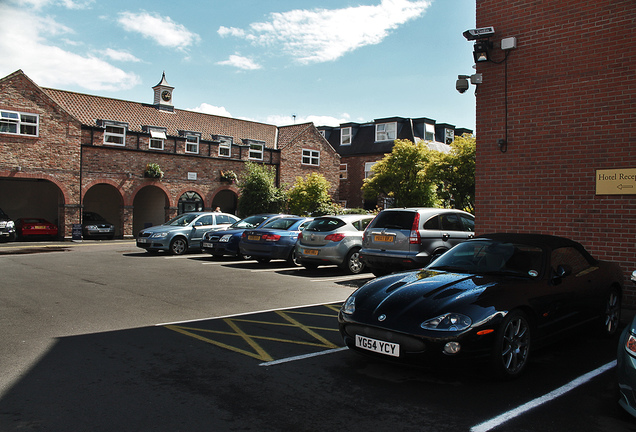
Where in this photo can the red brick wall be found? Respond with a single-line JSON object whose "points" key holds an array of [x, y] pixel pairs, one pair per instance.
{"points": [[571, 108], [350, 189], [291, 157]]}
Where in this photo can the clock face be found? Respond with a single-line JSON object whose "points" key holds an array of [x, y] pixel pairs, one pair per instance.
{"points": [[165, 95]]}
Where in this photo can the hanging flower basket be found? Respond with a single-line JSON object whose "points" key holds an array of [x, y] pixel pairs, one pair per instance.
{"points": [[228, 176], [153, 170]]}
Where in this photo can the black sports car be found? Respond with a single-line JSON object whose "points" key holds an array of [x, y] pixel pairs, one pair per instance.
{"points": [[494, 296]]}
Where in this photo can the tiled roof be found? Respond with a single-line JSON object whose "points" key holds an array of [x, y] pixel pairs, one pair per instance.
{"points": [[88, 109], [287, 134]]}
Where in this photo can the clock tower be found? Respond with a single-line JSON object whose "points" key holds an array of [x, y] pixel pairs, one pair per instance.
{"points": [[163, 94]]}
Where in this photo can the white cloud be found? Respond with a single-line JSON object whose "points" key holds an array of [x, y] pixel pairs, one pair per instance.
{"points": [[240, 62], [320, 35], [122, 56], [162, 30], [24, 46], [211, 109]]}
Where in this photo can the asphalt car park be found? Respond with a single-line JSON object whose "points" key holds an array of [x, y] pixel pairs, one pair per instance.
{"points": [[239, 367]]}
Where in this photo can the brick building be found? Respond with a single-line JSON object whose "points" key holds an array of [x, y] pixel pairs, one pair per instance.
{"points": [[564, 102], [63, 152], [360, 145]]}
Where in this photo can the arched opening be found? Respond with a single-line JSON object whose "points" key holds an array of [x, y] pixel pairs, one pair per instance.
{"points": [[189, 202], [106, 201], [150, 205], [226, 200]]}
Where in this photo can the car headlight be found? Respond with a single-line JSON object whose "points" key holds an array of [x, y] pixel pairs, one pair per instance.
{"points": [[630, 344], [448, 322], [10, 224], [226, 238], [159, 235], [350, 306], [91, 227]]}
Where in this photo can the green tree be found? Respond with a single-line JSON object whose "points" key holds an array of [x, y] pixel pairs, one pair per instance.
{"points": [[259, 193], [454, 174], [402, 175], [310, 196]]}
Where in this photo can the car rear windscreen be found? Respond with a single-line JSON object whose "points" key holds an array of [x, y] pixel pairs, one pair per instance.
{"points": [[395, 219]]}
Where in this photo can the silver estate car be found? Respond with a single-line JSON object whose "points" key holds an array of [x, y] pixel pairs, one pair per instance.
{"points": [[182, 233], [329, 240]]}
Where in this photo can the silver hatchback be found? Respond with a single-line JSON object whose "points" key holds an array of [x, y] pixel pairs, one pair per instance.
{"points": [[329, 240]]}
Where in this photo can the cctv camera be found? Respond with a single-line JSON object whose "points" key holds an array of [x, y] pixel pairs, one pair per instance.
{"points": [[462, 83], [479, 33]]}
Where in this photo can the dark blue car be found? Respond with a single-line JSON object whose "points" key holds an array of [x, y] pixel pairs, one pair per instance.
{"points": [[226, 241], [276, 239]]}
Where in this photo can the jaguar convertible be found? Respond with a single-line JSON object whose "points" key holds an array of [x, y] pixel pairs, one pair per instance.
{"points": [[493, 297]]}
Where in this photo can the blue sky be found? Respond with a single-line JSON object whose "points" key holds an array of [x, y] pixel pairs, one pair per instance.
{"points": [[262, 60]]}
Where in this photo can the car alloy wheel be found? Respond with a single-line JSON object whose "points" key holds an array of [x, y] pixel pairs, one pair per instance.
{"points": [[612, 313], [512, 345], [352, 262], [178, 246]]}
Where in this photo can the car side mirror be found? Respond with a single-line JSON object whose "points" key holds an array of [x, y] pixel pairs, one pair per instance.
{"points": [[634, 276], [563, 270]]}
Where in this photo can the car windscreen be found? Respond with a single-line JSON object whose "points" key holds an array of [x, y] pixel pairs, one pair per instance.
{"points": [[281, 224], [402, 220], [182, 220], [92, 217], [324, 224], [492, 257], [249, 222]]}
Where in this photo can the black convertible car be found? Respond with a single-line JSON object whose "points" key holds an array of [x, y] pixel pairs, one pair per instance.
{"points": [[492, 297]]}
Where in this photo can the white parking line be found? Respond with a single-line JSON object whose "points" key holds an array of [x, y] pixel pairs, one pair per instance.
{"points": [[302, 357], [222, 262], [276, 269], [184, 256], [499, 420]]}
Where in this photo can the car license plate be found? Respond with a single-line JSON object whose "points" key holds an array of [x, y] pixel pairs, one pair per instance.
{"points": [[206, 245], [311, 252], [39, 227], [383, 238], [386, 348], [143, 240], [253, 237]]}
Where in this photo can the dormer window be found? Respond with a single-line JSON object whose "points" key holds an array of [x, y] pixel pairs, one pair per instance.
{"points": [[192, 143], [449, 136], [225, 146], [386, 131], [345, 136], [157, 139], [114, 133], [19, 123], [256, 151], [429, 132]]}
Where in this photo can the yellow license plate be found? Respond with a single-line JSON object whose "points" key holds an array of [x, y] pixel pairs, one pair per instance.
{"points": [[383, 238], [253, 237], [311, 251]]}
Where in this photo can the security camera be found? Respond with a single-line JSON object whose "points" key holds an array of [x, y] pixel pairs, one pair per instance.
{"points": [[479, 33], [462, 83]]}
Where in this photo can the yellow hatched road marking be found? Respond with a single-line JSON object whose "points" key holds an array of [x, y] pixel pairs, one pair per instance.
{"points": [[259, 352]]}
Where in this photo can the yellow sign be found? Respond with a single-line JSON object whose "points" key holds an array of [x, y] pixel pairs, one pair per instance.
{"points": [[621, 181]]}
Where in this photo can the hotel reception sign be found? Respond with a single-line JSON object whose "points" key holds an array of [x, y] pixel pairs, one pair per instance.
{"points": [[621, 181]]}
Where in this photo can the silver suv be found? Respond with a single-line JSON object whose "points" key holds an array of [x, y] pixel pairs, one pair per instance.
{"points": [[407, 238], [332, 240]]}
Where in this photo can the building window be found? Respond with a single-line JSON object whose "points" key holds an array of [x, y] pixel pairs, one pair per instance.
{"points": [[256, 151], [19, 123], [311, 157], [449, 136], [343, 171], [345, 136], [322, 132], [157, 138], [367, 169], [115, 134], [192, 144], [385, 131], [429, 132], [225, 146]]}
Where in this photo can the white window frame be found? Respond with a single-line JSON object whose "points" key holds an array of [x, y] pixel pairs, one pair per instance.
{"points": [[157, 139], [192, 144], [112, 136], [18, 123], [225, 146], [345, 136], [256, 151], [311, 157], [386, 131], [367, 169], [429, 132], [449, 136], [344, 171]]}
